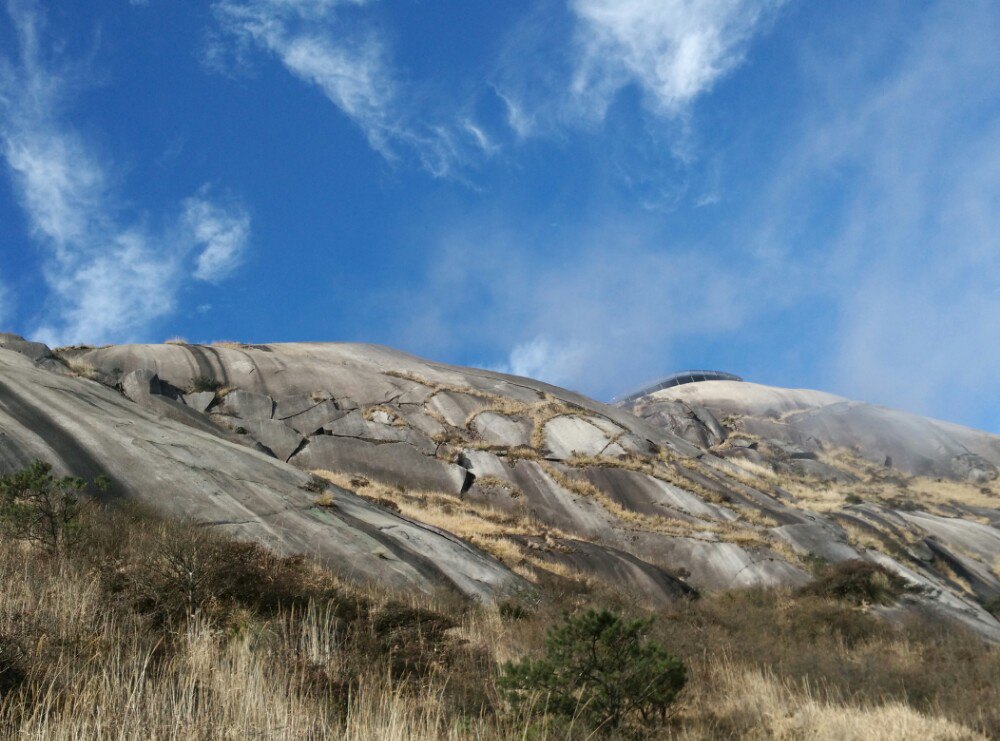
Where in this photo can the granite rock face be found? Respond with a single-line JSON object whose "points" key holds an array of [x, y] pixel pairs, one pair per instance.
{"points": [[685, 490], [807, 422], [87, 429]]}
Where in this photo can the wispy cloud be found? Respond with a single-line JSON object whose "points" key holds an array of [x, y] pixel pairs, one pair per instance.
{"points": [[671, 50], [674, 50], [326, 44], [542, 358], [111, 277], [222, 230], [594, 308], [887, 200]]}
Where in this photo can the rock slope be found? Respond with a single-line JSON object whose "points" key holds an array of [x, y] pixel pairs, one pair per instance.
{"points": [[671, 496]]}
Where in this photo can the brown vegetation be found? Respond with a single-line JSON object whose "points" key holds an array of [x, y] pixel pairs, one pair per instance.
{"points": [[147, 629]]}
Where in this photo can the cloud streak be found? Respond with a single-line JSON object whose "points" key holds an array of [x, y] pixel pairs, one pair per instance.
{"points": [[223, 231], [326, 45], [596, 308], [910, 256], [110, 278]]}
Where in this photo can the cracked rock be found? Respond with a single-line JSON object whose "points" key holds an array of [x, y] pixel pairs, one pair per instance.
{"points": [[247, 405]]}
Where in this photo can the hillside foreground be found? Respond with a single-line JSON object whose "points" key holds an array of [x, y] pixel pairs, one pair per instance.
{"points": [[403, 528]]}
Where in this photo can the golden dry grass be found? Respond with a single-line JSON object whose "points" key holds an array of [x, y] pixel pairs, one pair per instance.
{"points": [[488, 529], [764, 707], [762, 665]]}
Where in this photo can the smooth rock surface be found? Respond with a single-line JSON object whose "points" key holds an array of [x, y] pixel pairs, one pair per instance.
{"points": [[570, 435], [395, 463], [87, 430], [247, 405], [499, 430], [200, 401], [278, 437]]}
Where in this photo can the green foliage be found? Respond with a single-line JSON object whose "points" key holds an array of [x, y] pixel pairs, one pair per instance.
{"points": [[602, 669], [858, 582], [37, 506], [205, 383], [992, 606]]}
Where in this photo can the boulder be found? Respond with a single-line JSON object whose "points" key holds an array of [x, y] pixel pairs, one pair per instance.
{"points": [[313, 419], [180, 471], [33, 350], [622, 570], [973, 468], [456, 408], [290, 406], [716, 433], [353, 424], [276, 436], [200, 401], [139, 385], [246, 405]]}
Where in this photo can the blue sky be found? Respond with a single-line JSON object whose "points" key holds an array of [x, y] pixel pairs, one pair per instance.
{"points": [[594, 192]]}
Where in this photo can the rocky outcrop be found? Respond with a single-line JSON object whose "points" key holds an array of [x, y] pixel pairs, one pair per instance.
{"points": [[87, 429], [679, 493], [813, 421]]}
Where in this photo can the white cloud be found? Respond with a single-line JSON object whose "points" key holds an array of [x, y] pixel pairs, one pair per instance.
{"points": [[543, 358], [905, 245], [223, 232], [353, 73], [596, 308], [673, 49], [110, 278], [351, 66]]}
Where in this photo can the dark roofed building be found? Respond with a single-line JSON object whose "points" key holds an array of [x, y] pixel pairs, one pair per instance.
{"points": [[678, 379]]}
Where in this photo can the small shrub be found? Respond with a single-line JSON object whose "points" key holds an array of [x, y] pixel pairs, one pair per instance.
{"points": [[13, 665], [510, 610], [205, 383], [37, 506], [326, 499], [602, 669], [992, 606], [314, 484], [241, 431], [857, 582]]}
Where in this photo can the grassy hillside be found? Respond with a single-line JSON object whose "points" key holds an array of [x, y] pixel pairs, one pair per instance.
{"points": [[140, 628]]}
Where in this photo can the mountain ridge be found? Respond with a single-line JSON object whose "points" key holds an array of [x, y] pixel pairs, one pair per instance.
{"points": [[445, 477]]}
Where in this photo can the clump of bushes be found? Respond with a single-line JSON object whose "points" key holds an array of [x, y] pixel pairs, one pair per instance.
{"points": [[41, 508], [205, 383], [600, 668], [857, 582]]}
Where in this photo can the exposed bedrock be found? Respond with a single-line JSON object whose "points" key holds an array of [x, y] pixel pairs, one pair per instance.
{"points": [[689, 488], [86, 429]]}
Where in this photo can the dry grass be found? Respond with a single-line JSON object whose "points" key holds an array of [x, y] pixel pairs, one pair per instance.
{"points": [[176, 341], [495, 482], [81, 369], [81, 659], [765, 707], [480, 525], [538, 413], [754, 470], [391, 414]]}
